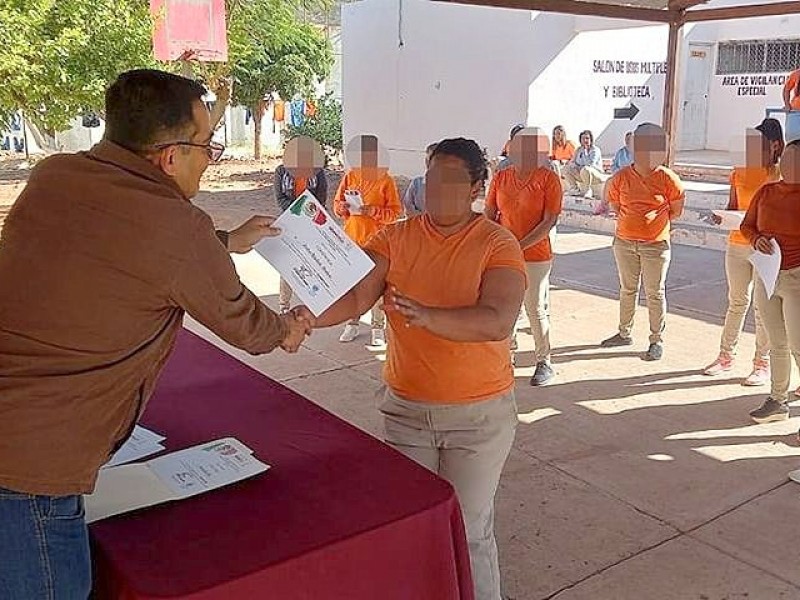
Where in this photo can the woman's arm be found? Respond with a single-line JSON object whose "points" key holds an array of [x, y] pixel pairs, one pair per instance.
{"points": [[540, 232], [491, 319], [361, 298]]}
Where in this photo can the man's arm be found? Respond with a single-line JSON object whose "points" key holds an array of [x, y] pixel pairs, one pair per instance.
{"points": [[282, 199], [242, 239], [491, 319]]}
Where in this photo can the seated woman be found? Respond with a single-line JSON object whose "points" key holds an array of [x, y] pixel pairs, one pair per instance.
{"points": [[454, 283], [584, 174], [562, 150]]}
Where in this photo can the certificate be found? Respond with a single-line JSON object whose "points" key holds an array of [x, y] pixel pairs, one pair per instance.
{"points": [[315, 255], [171, 477]]}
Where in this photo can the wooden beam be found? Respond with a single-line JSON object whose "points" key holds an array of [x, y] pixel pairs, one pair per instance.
{"points": [[671, 91], [743, 12], [579, 7], [678, 5]]}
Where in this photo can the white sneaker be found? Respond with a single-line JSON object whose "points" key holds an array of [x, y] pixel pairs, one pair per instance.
{"points": [[349, 334], [378, 339]]}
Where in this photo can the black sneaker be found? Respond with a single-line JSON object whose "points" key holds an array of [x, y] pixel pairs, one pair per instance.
{"points": [[543, 375], [615, 341], [770, 411], [654, 352]]}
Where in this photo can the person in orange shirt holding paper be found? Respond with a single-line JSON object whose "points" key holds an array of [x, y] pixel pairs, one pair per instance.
{"points": [[764, 147], [526, 199], [647, 197], [367, 200], [454, 283], [563, 150], [773, 218]]}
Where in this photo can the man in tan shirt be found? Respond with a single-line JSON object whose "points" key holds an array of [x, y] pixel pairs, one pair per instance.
{"points": [[100, 258]]}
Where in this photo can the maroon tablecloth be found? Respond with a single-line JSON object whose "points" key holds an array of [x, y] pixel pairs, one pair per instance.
{"points": [[339, 515]]}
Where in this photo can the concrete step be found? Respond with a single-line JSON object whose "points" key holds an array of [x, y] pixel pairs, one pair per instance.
{"points": [[705, 173]]}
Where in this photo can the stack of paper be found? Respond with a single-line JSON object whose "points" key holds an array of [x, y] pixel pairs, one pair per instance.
{"points": [[768, 267], [171, 477], [141, 444]]}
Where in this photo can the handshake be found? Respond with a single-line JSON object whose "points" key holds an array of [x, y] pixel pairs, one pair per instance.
{"points": [[299, 324]]}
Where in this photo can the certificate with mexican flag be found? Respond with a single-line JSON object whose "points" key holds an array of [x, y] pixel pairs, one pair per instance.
{"points": [[315, 255]]}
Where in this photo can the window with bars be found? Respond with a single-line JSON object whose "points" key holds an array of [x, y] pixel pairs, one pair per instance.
{"points": [[758, 56]]}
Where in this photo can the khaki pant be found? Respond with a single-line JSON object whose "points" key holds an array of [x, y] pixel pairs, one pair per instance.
{"points": [[377, 317], [781, 315], [585, 179], [466, 444], [537, 306], [285, 295], [647, 262], [739, 271]]}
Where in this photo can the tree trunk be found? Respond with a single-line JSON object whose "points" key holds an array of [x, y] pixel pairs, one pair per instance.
{"points": [[258, 114]]}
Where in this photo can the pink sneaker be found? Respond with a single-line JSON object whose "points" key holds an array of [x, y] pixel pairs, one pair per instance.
{"points": [[759, 375], [723, 364]]}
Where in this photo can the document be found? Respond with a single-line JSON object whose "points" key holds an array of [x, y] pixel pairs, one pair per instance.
{"points": [[315, 255], [171, 477], [354, 201], [141, 444], [768, 266], [731, 219]]}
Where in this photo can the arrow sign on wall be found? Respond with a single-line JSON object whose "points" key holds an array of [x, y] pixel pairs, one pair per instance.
{"points": [[629, 112]]}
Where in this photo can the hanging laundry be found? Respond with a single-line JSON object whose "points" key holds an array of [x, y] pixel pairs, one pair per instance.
{"points": [[297, 109]]}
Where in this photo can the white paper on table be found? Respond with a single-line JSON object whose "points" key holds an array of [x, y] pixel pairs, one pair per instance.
{"points": [[141, 444], [175, 476], [731, 219], [315, 255], [354, 201], [768, 266]]}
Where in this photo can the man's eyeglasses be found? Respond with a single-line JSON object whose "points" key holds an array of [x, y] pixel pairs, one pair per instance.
{"points": [[213, 149]]}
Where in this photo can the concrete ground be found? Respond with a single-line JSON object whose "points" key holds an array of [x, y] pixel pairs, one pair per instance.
{"points": [[628, 479]]}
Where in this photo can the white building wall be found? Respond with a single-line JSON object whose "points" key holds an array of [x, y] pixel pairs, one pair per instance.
{"points": [[415, 71]]}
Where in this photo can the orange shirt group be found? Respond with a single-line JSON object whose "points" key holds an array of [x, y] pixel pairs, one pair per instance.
{"points": [[522, 205], [644, 203], [379, 195], [775, 213], [444, 272]]}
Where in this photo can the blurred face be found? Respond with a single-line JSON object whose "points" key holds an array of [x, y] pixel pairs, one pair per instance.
{"points": [[758, 150], [649, 149], [529, 149], [302, 157], [186, 164], [363, 152], [586, 140], [790, 164], [448, 191]]}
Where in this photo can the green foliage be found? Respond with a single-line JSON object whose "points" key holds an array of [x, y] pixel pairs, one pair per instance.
{"points": [[58, 56], [325, 126]]}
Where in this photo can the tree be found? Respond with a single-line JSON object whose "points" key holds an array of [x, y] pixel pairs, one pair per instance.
{"points": [[270, 50], [59, 56]]}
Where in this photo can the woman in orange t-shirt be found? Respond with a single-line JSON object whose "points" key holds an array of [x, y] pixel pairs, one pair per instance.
{"points": [[773, 219], [454, 283], [367, 200], [763, 151], [526, 199], [562, 149]]}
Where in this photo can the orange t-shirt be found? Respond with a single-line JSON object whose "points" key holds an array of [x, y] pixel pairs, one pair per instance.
{"points": [[791, 85], [564, 152], [444, 272], [380, 194], [775, 213], [747, 182], [639, 197], [300, 186], [522, 205], [279, 111]]}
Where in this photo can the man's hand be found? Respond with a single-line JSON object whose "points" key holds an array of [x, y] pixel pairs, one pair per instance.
{"points": [[242, 239], [416, 314], [297, 330], [764, 244]]}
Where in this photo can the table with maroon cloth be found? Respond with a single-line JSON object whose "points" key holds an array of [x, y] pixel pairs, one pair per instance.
{"points": [[339, 514]]}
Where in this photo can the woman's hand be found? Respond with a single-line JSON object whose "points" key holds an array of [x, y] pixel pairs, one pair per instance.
{"points": [[764, 244], [415, 313]]}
